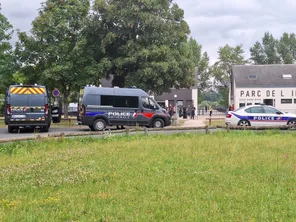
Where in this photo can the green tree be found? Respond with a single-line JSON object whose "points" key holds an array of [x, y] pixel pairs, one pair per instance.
{"points": [[201, 63], [265, 52], [222, 69], [7, 65], [141, 43], [287, 48], [55, 54]]}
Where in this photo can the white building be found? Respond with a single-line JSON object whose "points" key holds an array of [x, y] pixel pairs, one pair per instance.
{"points": [[273, 85]]}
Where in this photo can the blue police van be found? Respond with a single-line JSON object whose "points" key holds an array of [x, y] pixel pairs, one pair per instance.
{"points": [[99, 107]]}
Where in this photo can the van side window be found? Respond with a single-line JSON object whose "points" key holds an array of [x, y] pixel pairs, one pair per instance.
{"points": [[92, 100], [145, 102], [126, 101], [148, 103], [120, 101], [106, 100]]}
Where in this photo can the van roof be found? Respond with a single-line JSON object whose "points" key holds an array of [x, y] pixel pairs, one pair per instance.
{"points": [[26, 86], [115, 91], [27, 90]]}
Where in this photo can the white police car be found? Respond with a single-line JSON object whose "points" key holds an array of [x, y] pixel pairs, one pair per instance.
{"points": [[259, 115]]}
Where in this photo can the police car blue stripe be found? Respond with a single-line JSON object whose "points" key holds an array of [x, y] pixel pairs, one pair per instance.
{"points": [[94, 113], [263, 118]]}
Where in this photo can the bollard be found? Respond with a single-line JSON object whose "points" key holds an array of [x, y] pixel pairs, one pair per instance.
{"points": [[175, 120], [146, 131], [127, 131], [210, 121], [227, 128], [207, 129]]}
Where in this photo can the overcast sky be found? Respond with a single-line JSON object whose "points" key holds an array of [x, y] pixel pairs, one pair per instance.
{"points": [[213, 23]]}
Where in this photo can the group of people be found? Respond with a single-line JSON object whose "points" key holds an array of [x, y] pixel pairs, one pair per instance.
{"points": [[183, 111]]}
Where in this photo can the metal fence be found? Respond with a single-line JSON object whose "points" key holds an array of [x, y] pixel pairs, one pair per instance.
{"points": [[202, 112]]}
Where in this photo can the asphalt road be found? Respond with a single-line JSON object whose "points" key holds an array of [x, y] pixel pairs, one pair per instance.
{"points": [[25, 133], [81, 130]]}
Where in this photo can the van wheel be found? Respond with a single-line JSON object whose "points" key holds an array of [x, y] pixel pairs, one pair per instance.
{"points": [[46, 128], [10, 129], [99, 125], [158, 123]]}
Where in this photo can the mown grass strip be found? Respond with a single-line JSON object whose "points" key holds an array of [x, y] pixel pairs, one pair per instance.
{"points": [[239, 176]]}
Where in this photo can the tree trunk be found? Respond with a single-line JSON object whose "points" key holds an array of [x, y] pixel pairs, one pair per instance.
{"points": [[65, 103]]}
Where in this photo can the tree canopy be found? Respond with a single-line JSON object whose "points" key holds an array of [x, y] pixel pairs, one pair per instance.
{"points": [[142, 43], [54, 53], [222, 69], [7, 65], [139, 43], [274, 51]]}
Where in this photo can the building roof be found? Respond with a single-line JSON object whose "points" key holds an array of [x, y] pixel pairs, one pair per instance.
{"points": [[255, 76], [115, 91]]}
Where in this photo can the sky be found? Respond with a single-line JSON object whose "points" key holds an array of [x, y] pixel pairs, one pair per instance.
{"points": [[213, 23]]}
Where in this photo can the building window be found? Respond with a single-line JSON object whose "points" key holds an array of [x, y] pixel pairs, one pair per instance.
{"points": [[287, 76], [252, 76], [242, 104], [295, 101], [286, 101]]}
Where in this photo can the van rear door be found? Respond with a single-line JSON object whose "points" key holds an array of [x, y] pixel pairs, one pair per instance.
{"points": [[28, 107]]}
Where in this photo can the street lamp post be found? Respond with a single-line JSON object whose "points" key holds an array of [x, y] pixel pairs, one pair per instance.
{"points": [[176, 110]]}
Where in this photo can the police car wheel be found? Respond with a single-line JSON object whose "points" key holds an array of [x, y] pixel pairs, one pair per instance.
{"points": [[99, 125], [91, 128], [244, 123], [158, 123], [292, 124]]}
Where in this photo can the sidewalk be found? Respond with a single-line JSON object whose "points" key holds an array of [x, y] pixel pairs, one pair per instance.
{"points": [[200, 121]]}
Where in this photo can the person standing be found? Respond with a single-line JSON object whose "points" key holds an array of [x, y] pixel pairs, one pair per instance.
{"points": [[171, 111], [211, 110], [192, 112]]}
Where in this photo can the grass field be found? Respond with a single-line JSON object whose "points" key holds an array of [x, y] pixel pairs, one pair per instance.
{"points": [[240, 176]]}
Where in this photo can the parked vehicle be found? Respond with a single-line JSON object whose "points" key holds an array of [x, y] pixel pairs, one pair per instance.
{"points": [[73, 109], [99, 107], [259, 115], [28, 106]]}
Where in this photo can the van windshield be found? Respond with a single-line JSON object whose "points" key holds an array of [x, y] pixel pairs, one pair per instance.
{"points": [[27, 100], [149, 103]]}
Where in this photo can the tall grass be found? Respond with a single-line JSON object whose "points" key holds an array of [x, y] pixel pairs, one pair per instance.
{"points": [[241, 176]]}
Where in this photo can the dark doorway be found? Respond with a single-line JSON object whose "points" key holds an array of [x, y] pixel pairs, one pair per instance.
{"points": [[268, 102]]}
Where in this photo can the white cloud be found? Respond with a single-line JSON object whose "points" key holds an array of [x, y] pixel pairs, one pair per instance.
{"points": [[213, 23]]}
